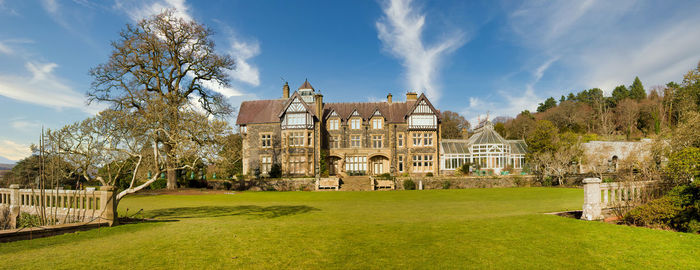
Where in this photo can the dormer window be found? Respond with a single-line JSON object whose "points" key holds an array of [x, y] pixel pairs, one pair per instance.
{"points": [[377, 123], [333, 124], [355, 123]]}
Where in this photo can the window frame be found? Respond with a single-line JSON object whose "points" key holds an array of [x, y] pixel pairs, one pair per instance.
{"points": [[377, 141], [266, 137], [355, 139], [355, 123]]}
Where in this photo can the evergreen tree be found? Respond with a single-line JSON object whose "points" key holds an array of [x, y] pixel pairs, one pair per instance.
{"points": [[548, 104], [620, 93], [637, 91]]}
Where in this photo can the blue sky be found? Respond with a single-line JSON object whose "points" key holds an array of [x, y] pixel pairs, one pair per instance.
{"points": [[472, 57]]}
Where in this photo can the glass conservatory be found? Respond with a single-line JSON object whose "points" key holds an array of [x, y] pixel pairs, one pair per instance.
{"points": [[486, 149]]}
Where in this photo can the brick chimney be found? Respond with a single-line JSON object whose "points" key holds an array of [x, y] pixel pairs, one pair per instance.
{"points": [[411, 96], [388, 98], [318, 99], [285, 90]]}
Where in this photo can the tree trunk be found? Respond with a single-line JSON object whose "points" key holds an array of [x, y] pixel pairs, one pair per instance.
{"points": [[170, 167]]}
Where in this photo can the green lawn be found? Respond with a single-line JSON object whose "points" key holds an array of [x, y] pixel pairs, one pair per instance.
{"points": [[473, 228]]}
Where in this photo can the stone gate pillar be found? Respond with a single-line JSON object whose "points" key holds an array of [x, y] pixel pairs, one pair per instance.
{"points": [[591, 199], [15, 205], [108, 204]]}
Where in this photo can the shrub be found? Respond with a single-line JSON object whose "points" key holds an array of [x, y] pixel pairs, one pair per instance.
{"points": [[464, 169], [679, 209], [520, 181], [408, 184], [446, 184], [405, 174], [386, 176], [28, 221], [228, 185], [657, 213], [275, 171], [429, 174], [197, 184], [5, 217], [159, 184]]}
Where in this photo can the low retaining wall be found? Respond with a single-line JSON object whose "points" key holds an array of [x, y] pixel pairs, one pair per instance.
{"points": [[457, 182], [46, 231], [288, 184]]}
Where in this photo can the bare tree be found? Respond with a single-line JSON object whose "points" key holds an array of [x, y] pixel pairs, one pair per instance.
{"points": [[627, 112], [157, 70], [98, 147]]}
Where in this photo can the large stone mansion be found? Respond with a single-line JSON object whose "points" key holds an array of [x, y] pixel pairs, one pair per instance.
{"points": [[298, 130]]}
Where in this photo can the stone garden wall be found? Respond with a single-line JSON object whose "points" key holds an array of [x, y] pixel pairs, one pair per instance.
{"points": [[460, 182]]}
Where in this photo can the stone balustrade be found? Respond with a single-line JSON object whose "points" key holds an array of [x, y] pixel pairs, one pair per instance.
{"points": [[599, 196], [65, 206], [328, 183]]}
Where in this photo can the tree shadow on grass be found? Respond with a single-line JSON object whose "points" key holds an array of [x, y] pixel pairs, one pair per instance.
{"points": [[274, 211]]}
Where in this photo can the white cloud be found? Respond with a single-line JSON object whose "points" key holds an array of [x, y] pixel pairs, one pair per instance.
{"points": [[137, 10], [242, 52], [4, 49], [400, 30], [50, 5], [13, 150], [42, 88]]}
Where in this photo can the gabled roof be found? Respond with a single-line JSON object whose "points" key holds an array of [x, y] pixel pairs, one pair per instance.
{"points": [[259, 111], [306, 85], [377, 112], [418, 101], [393, 113], [486, 135], [296, 95]]}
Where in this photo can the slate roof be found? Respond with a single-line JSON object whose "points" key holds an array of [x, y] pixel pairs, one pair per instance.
{"points": [[270, 111], [260, 111], [306, 85], [393, 113]]}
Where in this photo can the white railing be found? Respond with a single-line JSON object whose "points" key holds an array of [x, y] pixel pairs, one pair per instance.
{"points": [[63, 206], [599, 196]]}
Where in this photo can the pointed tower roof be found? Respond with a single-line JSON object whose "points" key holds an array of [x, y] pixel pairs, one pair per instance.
{"points": [[306, 85]]}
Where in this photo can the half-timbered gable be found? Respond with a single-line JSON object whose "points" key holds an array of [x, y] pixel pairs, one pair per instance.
{"points": [[423, 116], [296, 114]]}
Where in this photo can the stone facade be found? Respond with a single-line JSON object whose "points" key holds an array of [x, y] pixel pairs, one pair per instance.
{"points": [[369, 138]]}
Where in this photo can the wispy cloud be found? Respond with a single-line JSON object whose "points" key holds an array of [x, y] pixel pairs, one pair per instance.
{"points": [[42, 87], [137, 10], [400, 30], [241, 51], [13, 150], [607, 43], [22, 125]]}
